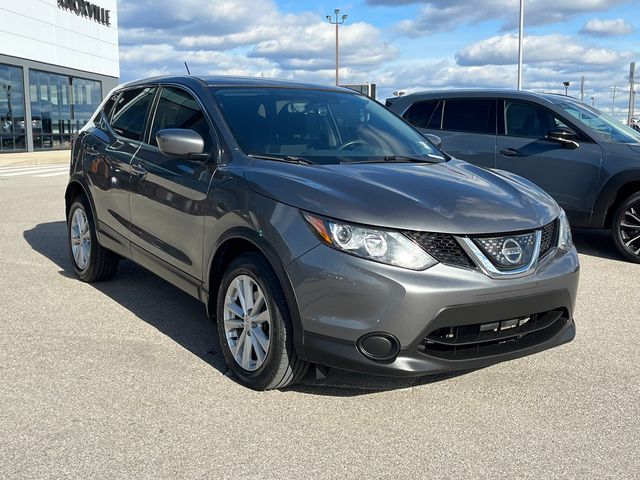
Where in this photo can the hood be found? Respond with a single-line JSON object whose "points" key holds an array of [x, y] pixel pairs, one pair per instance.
{"points": [[451, 197]]}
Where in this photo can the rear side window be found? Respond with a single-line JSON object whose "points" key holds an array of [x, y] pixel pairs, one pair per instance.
{"points": [[425, 114], [130, 112], [178, 109], [470, 115]]}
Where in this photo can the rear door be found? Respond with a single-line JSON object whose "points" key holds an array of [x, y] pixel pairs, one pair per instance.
{"points": [[108, 150], [467, 126], [169, 194], [569, 176]]}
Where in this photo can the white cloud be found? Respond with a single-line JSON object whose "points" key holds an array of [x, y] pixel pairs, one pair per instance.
{"points": [[446, 15], [607, 28], [559, 50]]}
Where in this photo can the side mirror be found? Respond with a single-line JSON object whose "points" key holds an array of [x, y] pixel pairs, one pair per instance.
{"points": [[182, 142], [564, 136], [435, 139]]}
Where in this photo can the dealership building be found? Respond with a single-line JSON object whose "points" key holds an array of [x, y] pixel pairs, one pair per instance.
{"points": [[58, 59]]}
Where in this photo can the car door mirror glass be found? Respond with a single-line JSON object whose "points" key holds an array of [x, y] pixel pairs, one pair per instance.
{"points": [[435, 139], [180, 142], [565, 136]]}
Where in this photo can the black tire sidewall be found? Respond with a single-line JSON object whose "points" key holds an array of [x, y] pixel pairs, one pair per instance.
{"points": [[87, 273], [615, 228], [253, 265]]}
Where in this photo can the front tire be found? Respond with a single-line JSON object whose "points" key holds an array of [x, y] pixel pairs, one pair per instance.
{"points": [[91, 261], [626, 228], [254, 326]]}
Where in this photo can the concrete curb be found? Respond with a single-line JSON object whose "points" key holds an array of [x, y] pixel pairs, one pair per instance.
{"points": [[34, 158]]}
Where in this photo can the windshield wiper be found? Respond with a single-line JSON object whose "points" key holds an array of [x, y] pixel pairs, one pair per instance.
{"points": [[286, 158], [399, 159]]}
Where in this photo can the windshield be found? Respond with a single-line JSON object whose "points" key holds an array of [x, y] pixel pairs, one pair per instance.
{"points": [[605, 125], [320, 126]]}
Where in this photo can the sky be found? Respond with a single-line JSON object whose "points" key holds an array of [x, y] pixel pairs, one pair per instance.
{"points": [[400, 45]]}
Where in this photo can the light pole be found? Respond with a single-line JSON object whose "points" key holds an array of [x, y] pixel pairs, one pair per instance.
{"points": [[338, 21], [593, 101], [566, 87], [520, 35]]}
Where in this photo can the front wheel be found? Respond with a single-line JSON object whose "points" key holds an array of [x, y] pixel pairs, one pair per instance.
{"points": [[626, 228], [254, 326]]}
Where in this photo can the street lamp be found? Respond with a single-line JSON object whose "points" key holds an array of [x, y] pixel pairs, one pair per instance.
{"points": [[520, 38], [338, 21], [566, 87]]}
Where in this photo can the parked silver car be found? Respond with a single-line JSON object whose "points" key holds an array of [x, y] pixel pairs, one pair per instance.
{"points": [[318, 228]]}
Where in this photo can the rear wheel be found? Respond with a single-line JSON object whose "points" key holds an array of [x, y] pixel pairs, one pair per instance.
{"points": [[626, 228], [91, 261], [254, 326]]}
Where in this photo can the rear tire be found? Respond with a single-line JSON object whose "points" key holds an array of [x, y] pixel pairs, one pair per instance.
{"points": [[91, 261], [255, 327], [625, 228]]}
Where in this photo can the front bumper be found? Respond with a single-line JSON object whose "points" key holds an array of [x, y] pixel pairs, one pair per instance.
{"points": [[342, 298]]}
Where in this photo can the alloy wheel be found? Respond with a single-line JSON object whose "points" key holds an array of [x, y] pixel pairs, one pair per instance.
{"points": [[629, 228], [247, 322], [80, 238]]}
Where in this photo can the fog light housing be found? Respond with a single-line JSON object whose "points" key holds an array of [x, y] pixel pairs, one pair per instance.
{"points": [[378, 346]]}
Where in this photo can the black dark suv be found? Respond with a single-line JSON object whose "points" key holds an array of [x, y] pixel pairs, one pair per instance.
{"points": [[588, 161]]}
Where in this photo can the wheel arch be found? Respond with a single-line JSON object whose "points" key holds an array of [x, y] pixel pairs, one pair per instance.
{"points": [[74, 188], [617, 189], [235, 242]]}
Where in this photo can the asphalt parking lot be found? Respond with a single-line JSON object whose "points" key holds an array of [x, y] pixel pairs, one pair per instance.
{"points": [[124, 380]]}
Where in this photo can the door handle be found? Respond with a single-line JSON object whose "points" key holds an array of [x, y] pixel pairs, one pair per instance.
{"points": [[511, 152], [138, 170]]}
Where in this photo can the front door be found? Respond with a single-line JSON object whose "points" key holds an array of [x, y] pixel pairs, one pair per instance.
{"points": [[570, 176], [169, 194]]}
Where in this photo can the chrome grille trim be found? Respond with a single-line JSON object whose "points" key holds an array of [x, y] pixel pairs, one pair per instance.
{"points": [[490, 269]]}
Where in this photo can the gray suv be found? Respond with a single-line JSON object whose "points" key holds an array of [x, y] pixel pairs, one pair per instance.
{"points": [[318, 228], [588, 161]]}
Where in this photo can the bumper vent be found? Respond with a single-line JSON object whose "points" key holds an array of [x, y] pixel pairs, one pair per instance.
{"points": [[466, 342], [443, 247]]}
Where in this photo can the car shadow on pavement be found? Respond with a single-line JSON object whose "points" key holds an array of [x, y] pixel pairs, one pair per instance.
{"points": [[596, 243], [184, 319]]}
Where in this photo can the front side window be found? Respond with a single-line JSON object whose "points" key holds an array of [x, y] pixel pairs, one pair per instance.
{"points": [[522, 119], [130, 113], [322, 126], [606, 126], [178, 109], [424, 114]]}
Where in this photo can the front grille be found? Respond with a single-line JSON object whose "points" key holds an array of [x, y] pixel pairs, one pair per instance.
{"points": [[549, 237], [508, 252], [466, 342], [443, 247]]}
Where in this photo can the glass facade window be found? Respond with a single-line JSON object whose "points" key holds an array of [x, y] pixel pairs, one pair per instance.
{"points": [[12, 126], [60, 106]]}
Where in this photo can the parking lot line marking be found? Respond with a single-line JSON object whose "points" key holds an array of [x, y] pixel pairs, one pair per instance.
{"points": [[52, 174], [31, 171], [31, 167]]}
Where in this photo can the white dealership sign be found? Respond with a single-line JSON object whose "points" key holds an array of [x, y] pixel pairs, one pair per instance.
{"points": [[76, 34]]}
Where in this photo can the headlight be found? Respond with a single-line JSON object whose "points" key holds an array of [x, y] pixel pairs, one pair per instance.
{"points": [[384, 246], [565, 241]]}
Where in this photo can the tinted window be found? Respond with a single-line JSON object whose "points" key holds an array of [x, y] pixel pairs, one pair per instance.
{"points": [[528, 120], [470, 115], [324, 127], [420, 114], [178, 109], [130, 112]]}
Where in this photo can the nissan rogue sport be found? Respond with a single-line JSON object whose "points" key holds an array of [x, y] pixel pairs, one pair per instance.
{"points": [[318, 228]]}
